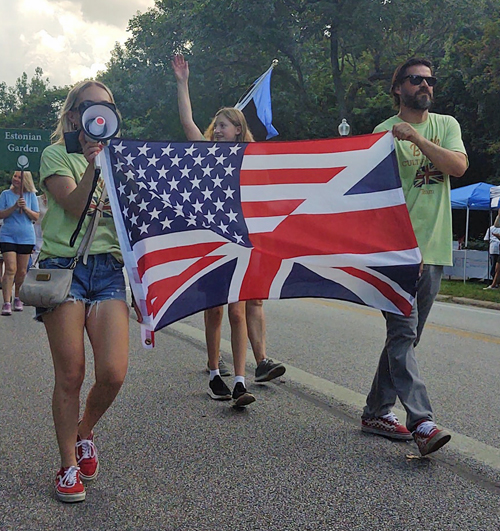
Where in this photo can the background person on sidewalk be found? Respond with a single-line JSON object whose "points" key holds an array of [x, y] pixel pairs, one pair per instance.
{"points": [[493, 236], [429, 149], [19, 210]]}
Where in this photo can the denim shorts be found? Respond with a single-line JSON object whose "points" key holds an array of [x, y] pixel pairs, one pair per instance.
{"points": [[101, 279]]}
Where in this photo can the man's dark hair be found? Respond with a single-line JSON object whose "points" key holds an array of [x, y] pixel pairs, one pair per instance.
{"points": [[400, 73]]}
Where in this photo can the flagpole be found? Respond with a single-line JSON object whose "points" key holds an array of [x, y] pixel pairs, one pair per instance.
{"points": [[21, 195], [243, 101]]}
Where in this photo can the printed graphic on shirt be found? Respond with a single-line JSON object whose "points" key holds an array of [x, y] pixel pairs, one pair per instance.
{"points": [[428, 174], [106, 211]]}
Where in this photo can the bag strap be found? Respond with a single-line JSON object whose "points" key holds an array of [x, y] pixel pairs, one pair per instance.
{"points": [[88, 237], [74, 236]]}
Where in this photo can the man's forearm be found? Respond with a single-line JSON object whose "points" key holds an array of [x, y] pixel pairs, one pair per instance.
{"points": [[449, 162]]}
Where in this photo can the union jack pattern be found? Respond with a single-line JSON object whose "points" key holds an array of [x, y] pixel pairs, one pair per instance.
{"points": [[428, 175]]}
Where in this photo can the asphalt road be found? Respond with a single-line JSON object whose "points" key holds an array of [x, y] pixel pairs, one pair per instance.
{"points": [[172, 459]]}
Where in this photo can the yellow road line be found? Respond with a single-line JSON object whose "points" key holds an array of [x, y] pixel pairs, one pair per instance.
{"points": [[478, 336]]}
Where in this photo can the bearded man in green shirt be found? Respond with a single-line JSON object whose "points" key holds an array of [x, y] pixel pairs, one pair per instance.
{"points": [[429, 150]]}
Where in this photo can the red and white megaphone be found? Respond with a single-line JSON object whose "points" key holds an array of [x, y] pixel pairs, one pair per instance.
{"points": [[100, 121]]}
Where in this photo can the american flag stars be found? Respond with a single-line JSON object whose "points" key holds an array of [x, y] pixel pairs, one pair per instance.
{"points": [[179, 187]]}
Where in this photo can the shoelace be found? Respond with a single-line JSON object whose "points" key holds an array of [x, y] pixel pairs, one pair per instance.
{"points": [[425, 427], [69, 478], [391, 417], [88, 449]]}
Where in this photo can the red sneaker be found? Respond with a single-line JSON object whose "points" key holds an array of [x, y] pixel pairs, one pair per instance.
{"points": [[387, 426], [429, 437], [69, 488], [86, 455]]}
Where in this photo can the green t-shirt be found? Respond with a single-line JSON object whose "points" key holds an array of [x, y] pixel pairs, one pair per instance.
{"points": [[426, 189], [57, 224]]}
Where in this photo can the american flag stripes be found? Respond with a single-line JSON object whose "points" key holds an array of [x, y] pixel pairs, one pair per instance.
{"points": [[203, 224]]}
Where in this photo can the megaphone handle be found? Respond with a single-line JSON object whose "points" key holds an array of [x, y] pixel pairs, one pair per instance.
{"points": [[98, 162]]}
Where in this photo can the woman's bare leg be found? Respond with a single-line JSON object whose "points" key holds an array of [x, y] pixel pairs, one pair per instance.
{"points": [[65, 326], [10, 261], [22, 268], [107, 327]]}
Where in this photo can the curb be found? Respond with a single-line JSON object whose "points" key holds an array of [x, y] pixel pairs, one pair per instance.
{"points": [[469, 302]]}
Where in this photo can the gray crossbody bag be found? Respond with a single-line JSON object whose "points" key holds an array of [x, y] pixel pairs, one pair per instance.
{"points": [[47, 288]]}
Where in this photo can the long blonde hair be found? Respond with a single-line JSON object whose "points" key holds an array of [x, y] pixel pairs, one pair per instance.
{"points": [[237, 118], [28, 184], [65, 125]]}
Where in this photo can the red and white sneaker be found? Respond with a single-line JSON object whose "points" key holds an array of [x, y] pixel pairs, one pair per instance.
{"points": [[429, 437], [387, 426], [86, 456], [69, 487]]}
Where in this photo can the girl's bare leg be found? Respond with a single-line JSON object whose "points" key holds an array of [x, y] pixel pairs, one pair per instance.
{"points": [[213, 325], [239, 336], [256, 324]]}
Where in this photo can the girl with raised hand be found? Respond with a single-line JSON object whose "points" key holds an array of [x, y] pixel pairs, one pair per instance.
{"points": [[228, 125]]}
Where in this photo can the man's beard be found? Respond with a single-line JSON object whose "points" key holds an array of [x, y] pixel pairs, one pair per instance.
{"points": [[421, 101]]}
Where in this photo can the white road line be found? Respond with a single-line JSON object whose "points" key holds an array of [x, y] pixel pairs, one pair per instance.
{"points": [[488, 455]]}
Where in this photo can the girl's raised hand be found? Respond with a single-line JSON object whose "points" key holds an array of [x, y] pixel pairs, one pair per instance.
{"points": [[180, 67]]}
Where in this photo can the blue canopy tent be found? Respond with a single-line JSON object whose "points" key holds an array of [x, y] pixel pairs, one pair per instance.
{"points": [[472, 197]]}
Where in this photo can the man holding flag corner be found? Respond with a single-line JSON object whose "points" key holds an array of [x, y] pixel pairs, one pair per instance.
{"points": [[429, 150]]}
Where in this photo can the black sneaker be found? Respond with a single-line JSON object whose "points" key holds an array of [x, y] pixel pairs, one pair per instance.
{"points": [[268, 370], [218, 390], [223, 370], [241, 397]]}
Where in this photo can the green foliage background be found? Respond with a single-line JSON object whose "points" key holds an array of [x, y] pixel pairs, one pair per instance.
{"points": [[336, 59]]}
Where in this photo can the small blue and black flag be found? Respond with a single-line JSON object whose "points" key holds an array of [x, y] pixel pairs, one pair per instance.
{"points": [[255, 104]]}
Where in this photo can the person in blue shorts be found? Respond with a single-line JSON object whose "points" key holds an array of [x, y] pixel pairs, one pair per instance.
{"points": [[18, 210]]}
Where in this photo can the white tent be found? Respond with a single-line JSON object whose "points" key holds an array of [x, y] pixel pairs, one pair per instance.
{"points": [[495, 196]]}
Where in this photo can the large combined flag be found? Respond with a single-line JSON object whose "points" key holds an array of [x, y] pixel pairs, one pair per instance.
{"points": [[204, 224], [255, 104]]}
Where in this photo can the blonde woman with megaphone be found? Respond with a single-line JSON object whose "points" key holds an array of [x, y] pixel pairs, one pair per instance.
{"points": [[97, 299]]}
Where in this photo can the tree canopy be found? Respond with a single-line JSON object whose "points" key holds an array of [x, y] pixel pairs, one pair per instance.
{"points": [[336, 59]]}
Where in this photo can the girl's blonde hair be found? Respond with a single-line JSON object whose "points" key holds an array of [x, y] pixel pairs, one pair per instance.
{"points": [[28, 184], [237, 118], [65, 125]]}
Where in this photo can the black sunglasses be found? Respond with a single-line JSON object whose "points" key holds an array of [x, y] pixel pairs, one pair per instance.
{"points": [[417, 80], [84, 105]]}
